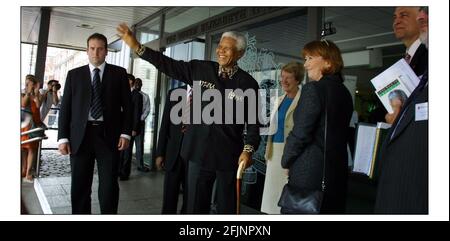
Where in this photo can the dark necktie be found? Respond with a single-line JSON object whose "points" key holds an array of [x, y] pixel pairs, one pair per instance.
{"points": [[96, 98], [187, 112], [408, 58], [423, 80]]}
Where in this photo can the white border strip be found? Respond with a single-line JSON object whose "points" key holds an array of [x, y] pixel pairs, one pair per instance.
{"points": [[41, 196]]}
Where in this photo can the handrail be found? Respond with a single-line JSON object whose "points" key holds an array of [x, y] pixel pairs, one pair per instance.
{"points": [[32, 131], [34, 139]]}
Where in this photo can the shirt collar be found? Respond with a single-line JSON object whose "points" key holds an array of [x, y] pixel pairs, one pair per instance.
{"points": [[101, 67], [413, 48], [230, 72]]}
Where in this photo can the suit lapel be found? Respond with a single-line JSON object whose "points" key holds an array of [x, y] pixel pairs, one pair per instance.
{"points": [[411, 105], [86, 89], [277, 104], [105, 80], [419, 55], [294, 102], [407, 118], [291, 108]]}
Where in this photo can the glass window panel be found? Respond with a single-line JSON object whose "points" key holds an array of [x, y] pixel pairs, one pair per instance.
{"points": [[182, 17], [270, 45], [149, 31], [142, 69]]}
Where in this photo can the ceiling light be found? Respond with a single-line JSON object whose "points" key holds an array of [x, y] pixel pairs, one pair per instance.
{"points": [[85, 26]]}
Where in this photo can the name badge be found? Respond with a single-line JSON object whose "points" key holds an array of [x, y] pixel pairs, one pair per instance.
{"points": [[422, 111]]}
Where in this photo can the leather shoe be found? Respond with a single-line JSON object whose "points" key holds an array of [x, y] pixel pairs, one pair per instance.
{"points": [[143, 169], [25, 180]]}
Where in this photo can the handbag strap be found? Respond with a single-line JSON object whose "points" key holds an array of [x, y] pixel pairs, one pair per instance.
{"points": [[325, 143]]}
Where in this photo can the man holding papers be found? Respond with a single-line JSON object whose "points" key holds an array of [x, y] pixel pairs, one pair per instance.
{"points": [[407, 30], [403, 183]]}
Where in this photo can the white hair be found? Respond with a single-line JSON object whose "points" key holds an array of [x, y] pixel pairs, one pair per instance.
{"points": [[241, 40]]}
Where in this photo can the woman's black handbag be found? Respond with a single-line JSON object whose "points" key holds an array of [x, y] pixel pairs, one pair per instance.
{"points": [[304, 201], [300, 201]]}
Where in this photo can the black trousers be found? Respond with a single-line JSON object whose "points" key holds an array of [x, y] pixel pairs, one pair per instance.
{"points": [[139, 140], [200, 186], [125, 159], [94, 147], [173, 180]]}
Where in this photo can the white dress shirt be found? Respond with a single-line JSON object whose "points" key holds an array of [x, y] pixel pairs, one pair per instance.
{"points": [[145, 105], [413, 48]]}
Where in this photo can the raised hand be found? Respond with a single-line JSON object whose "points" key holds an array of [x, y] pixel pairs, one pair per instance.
{"points": [[127, 36]]}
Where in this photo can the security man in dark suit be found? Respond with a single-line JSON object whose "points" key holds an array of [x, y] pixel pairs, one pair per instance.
{"points": [[168, 156], [403, 182], [213, 150], [136, 112], [95, 124]]}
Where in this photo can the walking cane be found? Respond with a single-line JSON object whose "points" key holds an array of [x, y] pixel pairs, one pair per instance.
{"points": [[240, 171]]}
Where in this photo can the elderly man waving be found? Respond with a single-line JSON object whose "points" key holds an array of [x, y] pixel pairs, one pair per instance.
{"points": [[213, 150]]}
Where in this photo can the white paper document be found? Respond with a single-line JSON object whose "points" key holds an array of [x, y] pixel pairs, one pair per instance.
{"points": [[365, 140], [367, 144], [398, 77]]}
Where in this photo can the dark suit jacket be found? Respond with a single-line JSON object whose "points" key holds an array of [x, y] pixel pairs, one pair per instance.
{"points": [[214, 146], [170, 136], [403, 183], [136, 103], [77, 99], [303, 152], [419, 62]]}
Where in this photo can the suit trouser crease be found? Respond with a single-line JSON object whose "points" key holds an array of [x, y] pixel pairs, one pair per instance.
{"points": [[200, 186], [126, 157], [173, 180], [94, 147], [139, 140]]}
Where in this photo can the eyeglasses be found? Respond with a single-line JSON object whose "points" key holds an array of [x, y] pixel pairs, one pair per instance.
{"points": [[325, 41]]}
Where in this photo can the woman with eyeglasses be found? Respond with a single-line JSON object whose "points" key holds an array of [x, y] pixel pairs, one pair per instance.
{"points": [[324, 99]]}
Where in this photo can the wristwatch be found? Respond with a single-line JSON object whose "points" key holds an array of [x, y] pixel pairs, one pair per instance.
{"points": [[140, 50]]}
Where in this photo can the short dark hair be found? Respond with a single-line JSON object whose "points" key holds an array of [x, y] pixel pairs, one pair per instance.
{"points": [[98, 36], [138, 83], [53, 80], [131, 77], [32, 78]]}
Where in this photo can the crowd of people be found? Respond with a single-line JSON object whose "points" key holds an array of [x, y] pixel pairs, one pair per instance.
{"points": [[103, 112]]}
